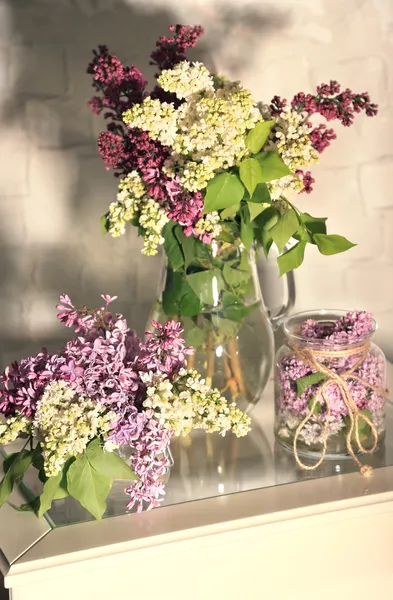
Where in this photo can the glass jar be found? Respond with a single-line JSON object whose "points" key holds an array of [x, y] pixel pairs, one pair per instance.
{"points": [[312, 407]]}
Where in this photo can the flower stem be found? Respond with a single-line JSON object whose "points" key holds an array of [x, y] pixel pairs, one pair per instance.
{"points": [[210, 359], [237, 370]]}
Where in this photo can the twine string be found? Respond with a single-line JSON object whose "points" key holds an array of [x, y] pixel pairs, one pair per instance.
{"points": [[309, 356]]}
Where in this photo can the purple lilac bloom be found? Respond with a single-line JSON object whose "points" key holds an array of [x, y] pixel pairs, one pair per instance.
{"points": [[121, 87], [308, 181], [321, 137], [352, 328], [172, 50], [106, 362], [149, 442], [332, 104], [22, 385]]}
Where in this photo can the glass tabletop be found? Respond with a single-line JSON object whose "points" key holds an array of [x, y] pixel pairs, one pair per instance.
{"points": [[210, 465]]}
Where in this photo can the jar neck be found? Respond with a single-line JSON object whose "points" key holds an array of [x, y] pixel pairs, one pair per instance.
{"points": [[326, 345], [330, 330]]}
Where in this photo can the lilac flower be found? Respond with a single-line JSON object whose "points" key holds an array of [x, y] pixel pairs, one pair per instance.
{"points": [[149, 442], [311, 329], [71, 372], [352, 327], [106, 363], [110, 367], [22, 384]]}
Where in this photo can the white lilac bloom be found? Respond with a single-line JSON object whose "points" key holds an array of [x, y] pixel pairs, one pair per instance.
{"points": [[152, 219], [11, 429], [64, 423], [155, 117], [186, 79], [290, 138], [187, 403], [131, 195], [206, 133]]}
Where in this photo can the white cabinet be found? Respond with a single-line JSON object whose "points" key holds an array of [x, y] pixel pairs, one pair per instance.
{"points": [[240, 521]]}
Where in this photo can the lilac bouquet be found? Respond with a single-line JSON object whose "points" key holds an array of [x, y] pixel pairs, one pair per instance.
{"points": [[106, 389], [200, 160]]}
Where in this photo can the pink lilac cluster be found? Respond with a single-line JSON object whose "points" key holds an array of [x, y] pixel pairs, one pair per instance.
{"points": [[353, 327], [106, 362], [125, 150], [350, 329], [331, 103], [149, 442]]}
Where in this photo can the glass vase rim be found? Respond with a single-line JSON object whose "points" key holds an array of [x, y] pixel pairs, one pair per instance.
{"points": [[317, 315]]}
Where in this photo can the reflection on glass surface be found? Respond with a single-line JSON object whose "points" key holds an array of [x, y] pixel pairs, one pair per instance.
{"points": [[208, 466]]}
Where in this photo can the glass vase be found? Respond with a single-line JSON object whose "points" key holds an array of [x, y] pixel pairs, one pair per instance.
{"points": [[326, 431], [218, 300]]}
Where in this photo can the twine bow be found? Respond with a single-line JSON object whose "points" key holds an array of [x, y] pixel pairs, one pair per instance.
{"points": [[308, 356]]}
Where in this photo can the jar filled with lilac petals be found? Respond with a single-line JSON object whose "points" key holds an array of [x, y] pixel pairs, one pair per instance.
{"points": [[330, 385]]}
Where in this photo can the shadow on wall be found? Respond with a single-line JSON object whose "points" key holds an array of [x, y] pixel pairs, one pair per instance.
{"points": [[53, 184]]}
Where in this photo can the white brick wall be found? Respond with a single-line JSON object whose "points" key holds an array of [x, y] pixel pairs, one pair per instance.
{"points": [[53, 185]]}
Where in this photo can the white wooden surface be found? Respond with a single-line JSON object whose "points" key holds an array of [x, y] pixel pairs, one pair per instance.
{"points": [[314, 540]]}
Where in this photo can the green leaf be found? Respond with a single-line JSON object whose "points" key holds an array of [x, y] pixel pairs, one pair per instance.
{"points": [[195, 337], [268, 218], [88, 486], [172, 246], [187, 244], [264, 222], [50, 490], [273, 166], [8, 461], [178, 298], [256, 209], [267, 242], [284, 229], [304, 382], [261, 195], [37, 458], [332, 244], [206, 285], [237, 312], [309, 226], [104, 224], [190, 305], [60, 493], [223, 191], [234, 277], [364, 428], [246, 228], [42, 476], [250, 174], [225, 327], [258, 136], [228, 299], [16, 469], [314, 224], [291, 259], [108, 463], [226, 235], [230, 212]]}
